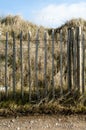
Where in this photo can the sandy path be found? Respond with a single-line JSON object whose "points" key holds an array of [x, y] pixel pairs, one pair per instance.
{"points": [[44, 123]]}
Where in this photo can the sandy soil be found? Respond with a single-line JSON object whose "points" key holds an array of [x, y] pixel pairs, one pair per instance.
{"points": [[44, 122]]}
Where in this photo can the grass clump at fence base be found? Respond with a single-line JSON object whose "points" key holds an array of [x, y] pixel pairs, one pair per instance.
{"points": [[70, 103]]}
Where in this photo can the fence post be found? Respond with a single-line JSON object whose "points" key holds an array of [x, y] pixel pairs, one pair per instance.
{"points": [[53, 89], [83, 64], [14, 65], [29, 72], [69, 59], [74, 58], [6, 64], [78, 58], [36, 65], [61, 77], [81, 59], [45, 64], [21, 66]]}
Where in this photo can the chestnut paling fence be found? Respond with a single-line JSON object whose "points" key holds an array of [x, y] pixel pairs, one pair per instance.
{"points": [[40, 67]]}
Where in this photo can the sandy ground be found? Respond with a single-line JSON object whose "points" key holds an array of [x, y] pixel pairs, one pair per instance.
{"points": [[44, 122]]}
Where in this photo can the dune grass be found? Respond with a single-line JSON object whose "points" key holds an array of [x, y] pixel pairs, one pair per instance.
{"points": [[70, 103]]}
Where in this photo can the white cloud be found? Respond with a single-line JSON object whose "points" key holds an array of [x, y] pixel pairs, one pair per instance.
{"points": [[55, 15]]}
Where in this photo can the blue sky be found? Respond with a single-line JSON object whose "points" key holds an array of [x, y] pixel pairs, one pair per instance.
{"points": [[50, 13]]}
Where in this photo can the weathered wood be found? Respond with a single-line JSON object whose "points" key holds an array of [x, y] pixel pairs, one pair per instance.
{"points": [[69, 59], [29, 68], [21, 67], [36, 65], [53, 89], [6, 65], [14, 65], [61, 58], [74, 59], [78, 58], [83, 64], [45, 64], [75, 63], [81, 61]]}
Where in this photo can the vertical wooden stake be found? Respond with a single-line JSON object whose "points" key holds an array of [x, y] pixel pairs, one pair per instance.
{"points": [[14, 65], [53, 89], [29, 71], [45, 64], [69, 59], [83, 64], [74, 59], [61, 77], [78, 57], [36, 65], [6, 65], [21, 66], [81, 61]]}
